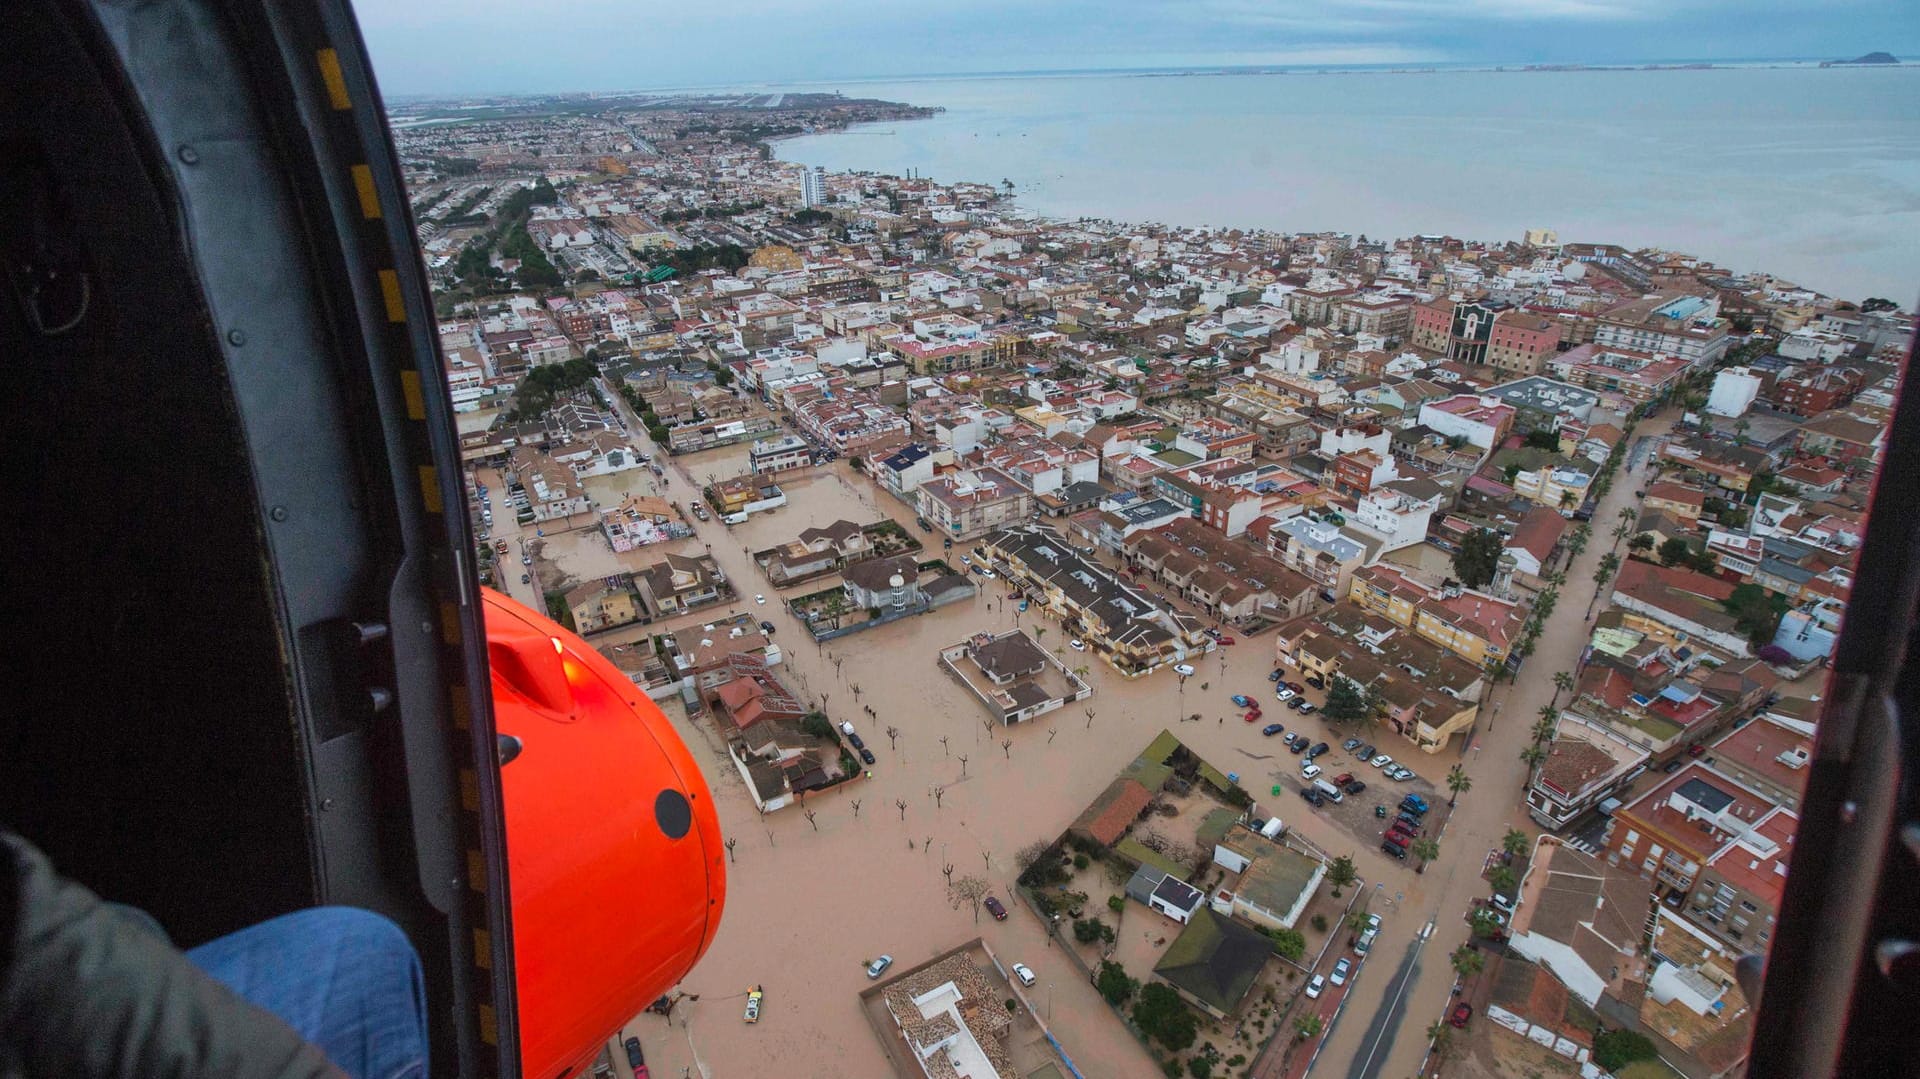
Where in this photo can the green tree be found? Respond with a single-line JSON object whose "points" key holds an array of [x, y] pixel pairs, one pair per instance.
{"points": [[1562, 683], [1089, 930], [1604, 571], [1345, 700], [1478, 557], [1306, 1026], [1357, 921], [817, 724], [1426, 848], [1533, 754], [1163, 1016], [1641, 543], [1675, 550], [1484, 922], [1287, 943], [1467, 961], [1514, 842], [1755, 611], [1113, 983], [1616, 1049], [1458, 783], [1340, 873], [1501, 877]]}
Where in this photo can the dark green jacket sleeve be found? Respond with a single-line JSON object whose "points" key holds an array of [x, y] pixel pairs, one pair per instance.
{"points": [[87, 994]]}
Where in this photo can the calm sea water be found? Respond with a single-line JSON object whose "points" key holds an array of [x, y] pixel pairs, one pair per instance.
{"points": [[1810, 174]]}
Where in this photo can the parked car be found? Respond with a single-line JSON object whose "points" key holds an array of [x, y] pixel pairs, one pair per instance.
{"points": [[1242, 700], [987, 573], [636, 1059], [1312, 796], [1382, 761], [1309, 770], [1397, 839], [1341, 970], [766, 626], [1274, 675], [759, 599], [1343, 779], [1300, 705], [1317, 750], [1673, 765], [1296, 687], [1184, 670], [1077, 645], [1317, 985], [1024, 973], [996, 908], [867, 755], [1284, 693], [856, 741], [1317, 682], [526, 560], [879, 966], [1225, 642], [1399, 774], [524, 579], [1460, 1014], [753, 1004], [1306, 706], [1415, 803], [1364, 753], [1390, 850], [1356, 786], [922, 522], [1024, 604], [1272, 729], [1350, 744], [1297, 744]]}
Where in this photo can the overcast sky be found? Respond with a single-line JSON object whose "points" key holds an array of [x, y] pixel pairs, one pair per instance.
{"points": [[533, 46]]}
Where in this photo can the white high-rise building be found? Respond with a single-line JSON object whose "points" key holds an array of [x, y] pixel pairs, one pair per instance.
{"points": [[813, 186]]}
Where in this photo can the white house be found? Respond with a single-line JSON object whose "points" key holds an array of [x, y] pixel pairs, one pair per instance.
{"points": [[1734, 390]]}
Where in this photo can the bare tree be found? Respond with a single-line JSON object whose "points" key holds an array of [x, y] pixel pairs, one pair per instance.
{"points": [[901, 805], [989, 725], [809, 815], [938, 793], [856, 691], [1006, 746], [987, 857], [1031, 853], [943, 745], [963, 766], [856, 808], [730, 842], [770, 841], [893, 738], [1051, 731], [1089, 719], [948, 870]]}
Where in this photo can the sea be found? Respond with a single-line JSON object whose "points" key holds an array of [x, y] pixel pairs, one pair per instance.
{"points": [[1811, 174]]}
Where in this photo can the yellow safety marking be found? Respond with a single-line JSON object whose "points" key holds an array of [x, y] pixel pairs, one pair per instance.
{"points": [[483, 949], [461, 706], [369, 198], [335, 79], [410, 389], [450, 623], [390, 288], [489, 1027], [430, 488], [469, 790], [476, 871]]}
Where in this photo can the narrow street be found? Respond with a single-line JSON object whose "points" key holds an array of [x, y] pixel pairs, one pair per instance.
{"points": [[1391, 1041]]}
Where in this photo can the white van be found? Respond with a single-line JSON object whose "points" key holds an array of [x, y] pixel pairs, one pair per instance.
{"points": [[734, 519], [1272, 828], [1332, 792]]}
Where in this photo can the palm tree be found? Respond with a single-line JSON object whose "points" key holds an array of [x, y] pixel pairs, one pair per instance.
{"points": [[1467, 961], [1514, 842], [1501, 878], [1426, 848], [1533, 754], [1627, 513], [1357, 921], [1459, 782], [1562, 683], [1543, 730], [1440, 1035]]}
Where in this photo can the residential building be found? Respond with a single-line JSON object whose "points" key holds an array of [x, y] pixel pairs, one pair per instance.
{"points": [[1674, 828], [1424, 693], [815, 551], [1738, 893], [681, 583], [603, 605], [1127, 628], [884, 584], [1734, 391], [1476, 626], [1521, 342], [1483, 421], [1630, 373], [1687, 327], [1587, 763], [965, 504], [1810, 391], [1214, 962], [1233, 582], [1582, 919], [1319, 551], [903, 471], [640, 521], [953, 1021], [1544, 403], [1678, 607], [1536, 541], [1011, 676], [552, 491], [1676, 500], [780, 453], [1274, 885], [1399, 512]]}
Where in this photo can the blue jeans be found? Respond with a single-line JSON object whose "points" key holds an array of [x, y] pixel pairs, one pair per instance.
{"points": [[346, 979]]}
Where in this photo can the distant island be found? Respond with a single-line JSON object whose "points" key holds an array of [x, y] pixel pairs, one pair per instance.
{"points": [[1870, 58]]}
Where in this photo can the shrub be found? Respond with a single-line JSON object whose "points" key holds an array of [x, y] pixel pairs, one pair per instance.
{"points": [[1013, 1005], [1116, 903], [1081, 861], [1617, 1048], [1319, 923], [1113, 983], [1287, 943], [1162, 1015]]}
